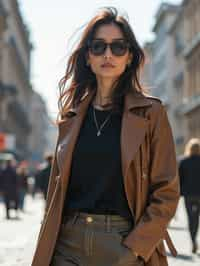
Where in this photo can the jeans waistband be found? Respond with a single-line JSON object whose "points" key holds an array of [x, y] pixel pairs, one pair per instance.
{"points": [[96, 218], [105, 222]]}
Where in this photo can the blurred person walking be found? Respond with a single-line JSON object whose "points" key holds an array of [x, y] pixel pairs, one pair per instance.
{"points": [[23, 185], [10, 188], [113, 187], [43, 175], [189, 172]]}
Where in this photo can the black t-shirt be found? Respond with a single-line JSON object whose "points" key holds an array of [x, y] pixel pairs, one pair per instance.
{"points": [[96, 182]]}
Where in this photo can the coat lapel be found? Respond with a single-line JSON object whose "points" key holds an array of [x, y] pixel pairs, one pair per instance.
{"points": [[133, 132], [134, 128], [69, 129]]}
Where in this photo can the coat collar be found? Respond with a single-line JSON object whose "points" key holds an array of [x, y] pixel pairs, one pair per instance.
{"points": [[132, 100], [136, 100]]}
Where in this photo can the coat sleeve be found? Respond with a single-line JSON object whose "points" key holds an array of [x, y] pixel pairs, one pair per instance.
{"points": [[163, 189]]}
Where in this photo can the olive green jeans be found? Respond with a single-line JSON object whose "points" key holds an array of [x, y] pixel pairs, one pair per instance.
{"points": [[94, 240]]}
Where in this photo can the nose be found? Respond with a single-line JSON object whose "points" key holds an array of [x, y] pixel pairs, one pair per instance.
{"points": [[108, 52]]}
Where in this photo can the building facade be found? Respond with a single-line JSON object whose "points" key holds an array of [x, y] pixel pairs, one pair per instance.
{"points": [[23, 114], [162, 61], [176, 32], [41, 139], [191, 109], [15, 78], [175, 63]]}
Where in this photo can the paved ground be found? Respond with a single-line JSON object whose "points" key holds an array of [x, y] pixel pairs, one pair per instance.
{"points": [[18, 236], [179, 233]]}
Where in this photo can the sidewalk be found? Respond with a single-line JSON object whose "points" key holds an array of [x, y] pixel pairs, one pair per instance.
{"points": [[18, 236], [179, 232]]}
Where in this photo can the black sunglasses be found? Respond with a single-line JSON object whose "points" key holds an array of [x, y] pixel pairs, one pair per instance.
{"points": [[118, 47]]}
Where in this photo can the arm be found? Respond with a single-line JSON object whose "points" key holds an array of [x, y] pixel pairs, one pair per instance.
{"points": [[163, 189]]}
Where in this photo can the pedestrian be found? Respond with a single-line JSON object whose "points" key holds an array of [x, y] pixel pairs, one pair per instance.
{"points": [[43, 174], [189, 172], [10, 188], [113, 186], [23, 185]]}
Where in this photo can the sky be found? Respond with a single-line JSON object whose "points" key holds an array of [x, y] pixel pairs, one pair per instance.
{"points": [[52, 24]]}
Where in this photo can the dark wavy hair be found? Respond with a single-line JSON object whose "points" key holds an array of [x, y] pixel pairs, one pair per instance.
{"points": [[81, 77]]}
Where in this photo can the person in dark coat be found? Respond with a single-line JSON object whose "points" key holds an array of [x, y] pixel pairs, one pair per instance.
{"points": [[10, 187], [189, 172], [43, 175], [23, 186]]}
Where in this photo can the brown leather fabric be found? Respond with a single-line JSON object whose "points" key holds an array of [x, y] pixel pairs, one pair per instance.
{"points": [[150, 177]]}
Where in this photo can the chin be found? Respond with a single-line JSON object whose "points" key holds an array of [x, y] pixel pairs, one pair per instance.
{"points": [[108, 75]]}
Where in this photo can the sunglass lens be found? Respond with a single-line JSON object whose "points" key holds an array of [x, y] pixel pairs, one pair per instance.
{"points": [[119, 48], [98, 47]]}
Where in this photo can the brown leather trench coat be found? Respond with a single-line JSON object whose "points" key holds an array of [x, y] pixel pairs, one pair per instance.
{"points": [[150, 177]]}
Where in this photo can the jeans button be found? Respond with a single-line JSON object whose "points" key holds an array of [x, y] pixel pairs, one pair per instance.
{"points": [[89, 219]]}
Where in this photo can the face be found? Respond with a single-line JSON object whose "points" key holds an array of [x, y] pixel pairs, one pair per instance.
{"points": [[108, 64]]}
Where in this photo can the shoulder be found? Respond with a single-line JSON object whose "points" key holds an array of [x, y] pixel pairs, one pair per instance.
{"points": [[157, 106], [152, 98], [183, 159]]}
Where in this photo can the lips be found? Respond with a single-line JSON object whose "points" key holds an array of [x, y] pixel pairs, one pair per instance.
{"points": [[107, 65]]}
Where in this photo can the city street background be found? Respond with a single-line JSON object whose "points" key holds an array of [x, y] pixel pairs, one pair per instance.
{"points": [[36, 38]]}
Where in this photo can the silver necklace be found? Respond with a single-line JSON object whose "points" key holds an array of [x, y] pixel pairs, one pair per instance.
{"points": [[100, 127]]}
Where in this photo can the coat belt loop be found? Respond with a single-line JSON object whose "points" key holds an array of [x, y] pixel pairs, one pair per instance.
{"points": [[170, 244]]}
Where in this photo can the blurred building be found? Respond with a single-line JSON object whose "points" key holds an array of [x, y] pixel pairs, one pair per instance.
{"points": [[15, 78], [147, 74], [2, 30], [172, 71], [23, 114], [162, 61], [191, 108], [43, 134], [178, 80]]}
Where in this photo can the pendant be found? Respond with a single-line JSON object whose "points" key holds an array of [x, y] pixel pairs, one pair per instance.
{"points": [[98, 133]]}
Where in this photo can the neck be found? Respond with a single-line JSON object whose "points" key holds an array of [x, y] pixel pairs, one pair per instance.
{"points": [[104, 92]]}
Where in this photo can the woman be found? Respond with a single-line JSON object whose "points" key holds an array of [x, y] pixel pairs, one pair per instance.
{"points": [[113, 186], [189, 169]]}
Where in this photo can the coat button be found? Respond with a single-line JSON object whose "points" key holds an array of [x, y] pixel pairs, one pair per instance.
{"points": [[89, 219]]}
